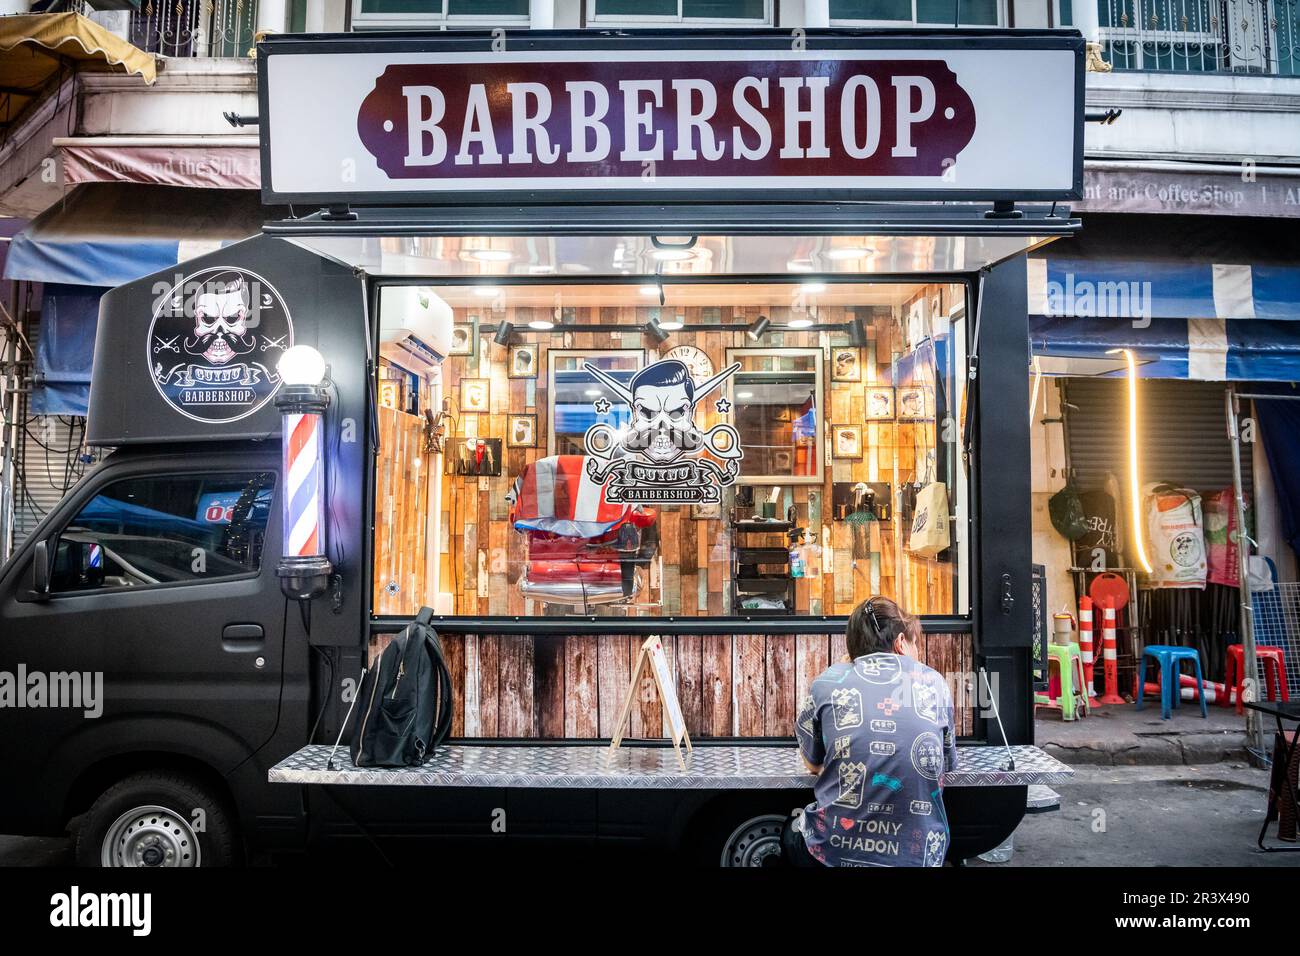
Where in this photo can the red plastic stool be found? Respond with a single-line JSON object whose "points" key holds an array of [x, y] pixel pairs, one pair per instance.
{"points": [[1274, 670]]}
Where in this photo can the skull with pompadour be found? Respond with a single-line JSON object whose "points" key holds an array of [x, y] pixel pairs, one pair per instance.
{"points": [[662, 398], [222, 322]]}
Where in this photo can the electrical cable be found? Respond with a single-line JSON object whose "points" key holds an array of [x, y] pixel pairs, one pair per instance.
{"points": [[329, 691]]}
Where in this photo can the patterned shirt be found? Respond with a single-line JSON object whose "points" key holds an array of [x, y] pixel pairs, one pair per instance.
{"points": [[882, 731]]}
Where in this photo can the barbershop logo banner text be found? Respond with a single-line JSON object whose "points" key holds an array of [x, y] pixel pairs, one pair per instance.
{"points": [[916, 118]]}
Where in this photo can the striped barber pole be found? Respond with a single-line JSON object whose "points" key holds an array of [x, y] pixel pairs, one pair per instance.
{"points": [[303, 497]]}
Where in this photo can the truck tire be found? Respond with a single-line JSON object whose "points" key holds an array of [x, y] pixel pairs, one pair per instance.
{"points": [[755, 842], [150, 819]]}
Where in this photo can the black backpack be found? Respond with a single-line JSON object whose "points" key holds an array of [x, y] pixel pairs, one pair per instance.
{"points": [[403, 707]]}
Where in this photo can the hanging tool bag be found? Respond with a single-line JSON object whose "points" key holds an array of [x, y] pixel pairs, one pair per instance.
{"points": [[403, 707]]}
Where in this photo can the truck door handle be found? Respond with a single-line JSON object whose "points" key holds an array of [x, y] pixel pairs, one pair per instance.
{"points": [[242, 638]]}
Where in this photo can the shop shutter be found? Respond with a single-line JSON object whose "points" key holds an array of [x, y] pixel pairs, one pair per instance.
{"points": [[1183, 437]]}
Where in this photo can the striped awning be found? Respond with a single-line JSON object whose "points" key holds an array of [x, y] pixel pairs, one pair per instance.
{"points": [[1190, 301], [1216, 350], [1145, 289]]}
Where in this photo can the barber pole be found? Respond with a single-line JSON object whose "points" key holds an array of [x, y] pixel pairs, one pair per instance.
{"points": [[304, 570], [304, 500], [1110, 655], [1085, 647]]}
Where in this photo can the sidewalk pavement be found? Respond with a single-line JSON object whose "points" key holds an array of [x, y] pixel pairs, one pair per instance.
{"points": [[1121, 735]]}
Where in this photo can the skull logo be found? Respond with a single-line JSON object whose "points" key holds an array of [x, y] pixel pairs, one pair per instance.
{"points": [[662, 397], [221, 324], [663, 405]]}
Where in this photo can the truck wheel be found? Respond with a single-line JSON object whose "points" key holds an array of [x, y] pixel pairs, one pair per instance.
{"points": [[756, 842], [150, 819]]}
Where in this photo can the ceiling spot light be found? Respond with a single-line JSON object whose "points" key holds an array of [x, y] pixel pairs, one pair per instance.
{"points": [[655, 331], [503, 333], [756, 328], [849, 252]]}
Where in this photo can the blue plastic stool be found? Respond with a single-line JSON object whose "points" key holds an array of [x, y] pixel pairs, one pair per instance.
{"points": [[1168, 656]]}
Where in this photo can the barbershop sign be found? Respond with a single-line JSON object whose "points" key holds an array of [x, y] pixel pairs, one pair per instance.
{"points": [[468, 117]]}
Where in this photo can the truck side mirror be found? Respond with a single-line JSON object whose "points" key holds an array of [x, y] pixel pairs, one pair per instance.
{"points": [[41, 569]]}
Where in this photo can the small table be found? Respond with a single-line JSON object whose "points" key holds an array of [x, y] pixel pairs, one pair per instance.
{"points": [[1280, 711]]}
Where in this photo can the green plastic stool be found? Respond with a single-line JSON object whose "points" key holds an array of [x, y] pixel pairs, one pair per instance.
{"points": [[1069, 665]]}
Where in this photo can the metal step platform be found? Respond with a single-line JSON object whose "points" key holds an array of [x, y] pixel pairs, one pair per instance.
{"points": [[595, 767]]}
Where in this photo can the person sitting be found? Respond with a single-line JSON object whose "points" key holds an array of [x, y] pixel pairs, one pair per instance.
{"points": [[877, 729]]}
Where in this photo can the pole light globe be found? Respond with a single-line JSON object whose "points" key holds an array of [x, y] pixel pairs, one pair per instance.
{"points": [[301, 365]]}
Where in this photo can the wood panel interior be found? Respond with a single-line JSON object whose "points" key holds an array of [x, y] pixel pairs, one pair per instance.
{"points": [[730, 685]]}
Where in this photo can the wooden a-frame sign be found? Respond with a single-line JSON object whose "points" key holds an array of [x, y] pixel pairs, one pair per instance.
{"points": [[652, 653]]}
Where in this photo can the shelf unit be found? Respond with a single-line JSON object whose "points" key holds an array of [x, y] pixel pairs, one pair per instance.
{"points": [[753, 566]]}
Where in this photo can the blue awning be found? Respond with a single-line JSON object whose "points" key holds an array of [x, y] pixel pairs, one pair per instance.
{"points": [[106, 234], [1193, 297], [1143, 289], [1204, 349], [64, 349]]}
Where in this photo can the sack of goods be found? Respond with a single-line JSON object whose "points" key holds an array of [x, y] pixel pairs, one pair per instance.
{"points": [[1176, 534], [929, 533], [403, 708], [1221, 537]]}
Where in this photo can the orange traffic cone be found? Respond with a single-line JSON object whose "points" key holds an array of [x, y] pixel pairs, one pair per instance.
{"points": [[1110, 655], [1085, 648]]}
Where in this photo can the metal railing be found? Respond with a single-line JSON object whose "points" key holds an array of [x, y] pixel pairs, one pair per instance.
{"points": [[1202, 36], [189, 28]]}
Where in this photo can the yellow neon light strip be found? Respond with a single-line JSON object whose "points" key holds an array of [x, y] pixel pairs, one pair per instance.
{"points": [[1135, 486]]}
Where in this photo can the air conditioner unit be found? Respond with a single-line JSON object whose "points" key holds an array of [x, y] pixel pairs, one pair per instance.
{"points": [[414, 327]]}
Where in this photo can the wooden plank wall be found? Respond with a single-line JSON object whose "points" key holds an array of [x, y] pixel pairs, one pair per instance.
{"points": [[729, 685], [401, 512]]}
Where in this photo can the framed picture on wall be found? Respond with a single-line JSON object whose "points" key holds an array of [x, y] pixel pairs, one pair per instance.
{"points": [[523, 361], [475, 395], [846, 364], [846, 441], [880, 403], [463, 338], [521, 431], [915, 403]]}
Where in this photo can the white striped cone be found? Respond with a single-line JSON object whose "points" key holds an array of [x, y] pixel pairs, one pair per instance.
{"points": [[1110, 656], [1085, 647]]}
